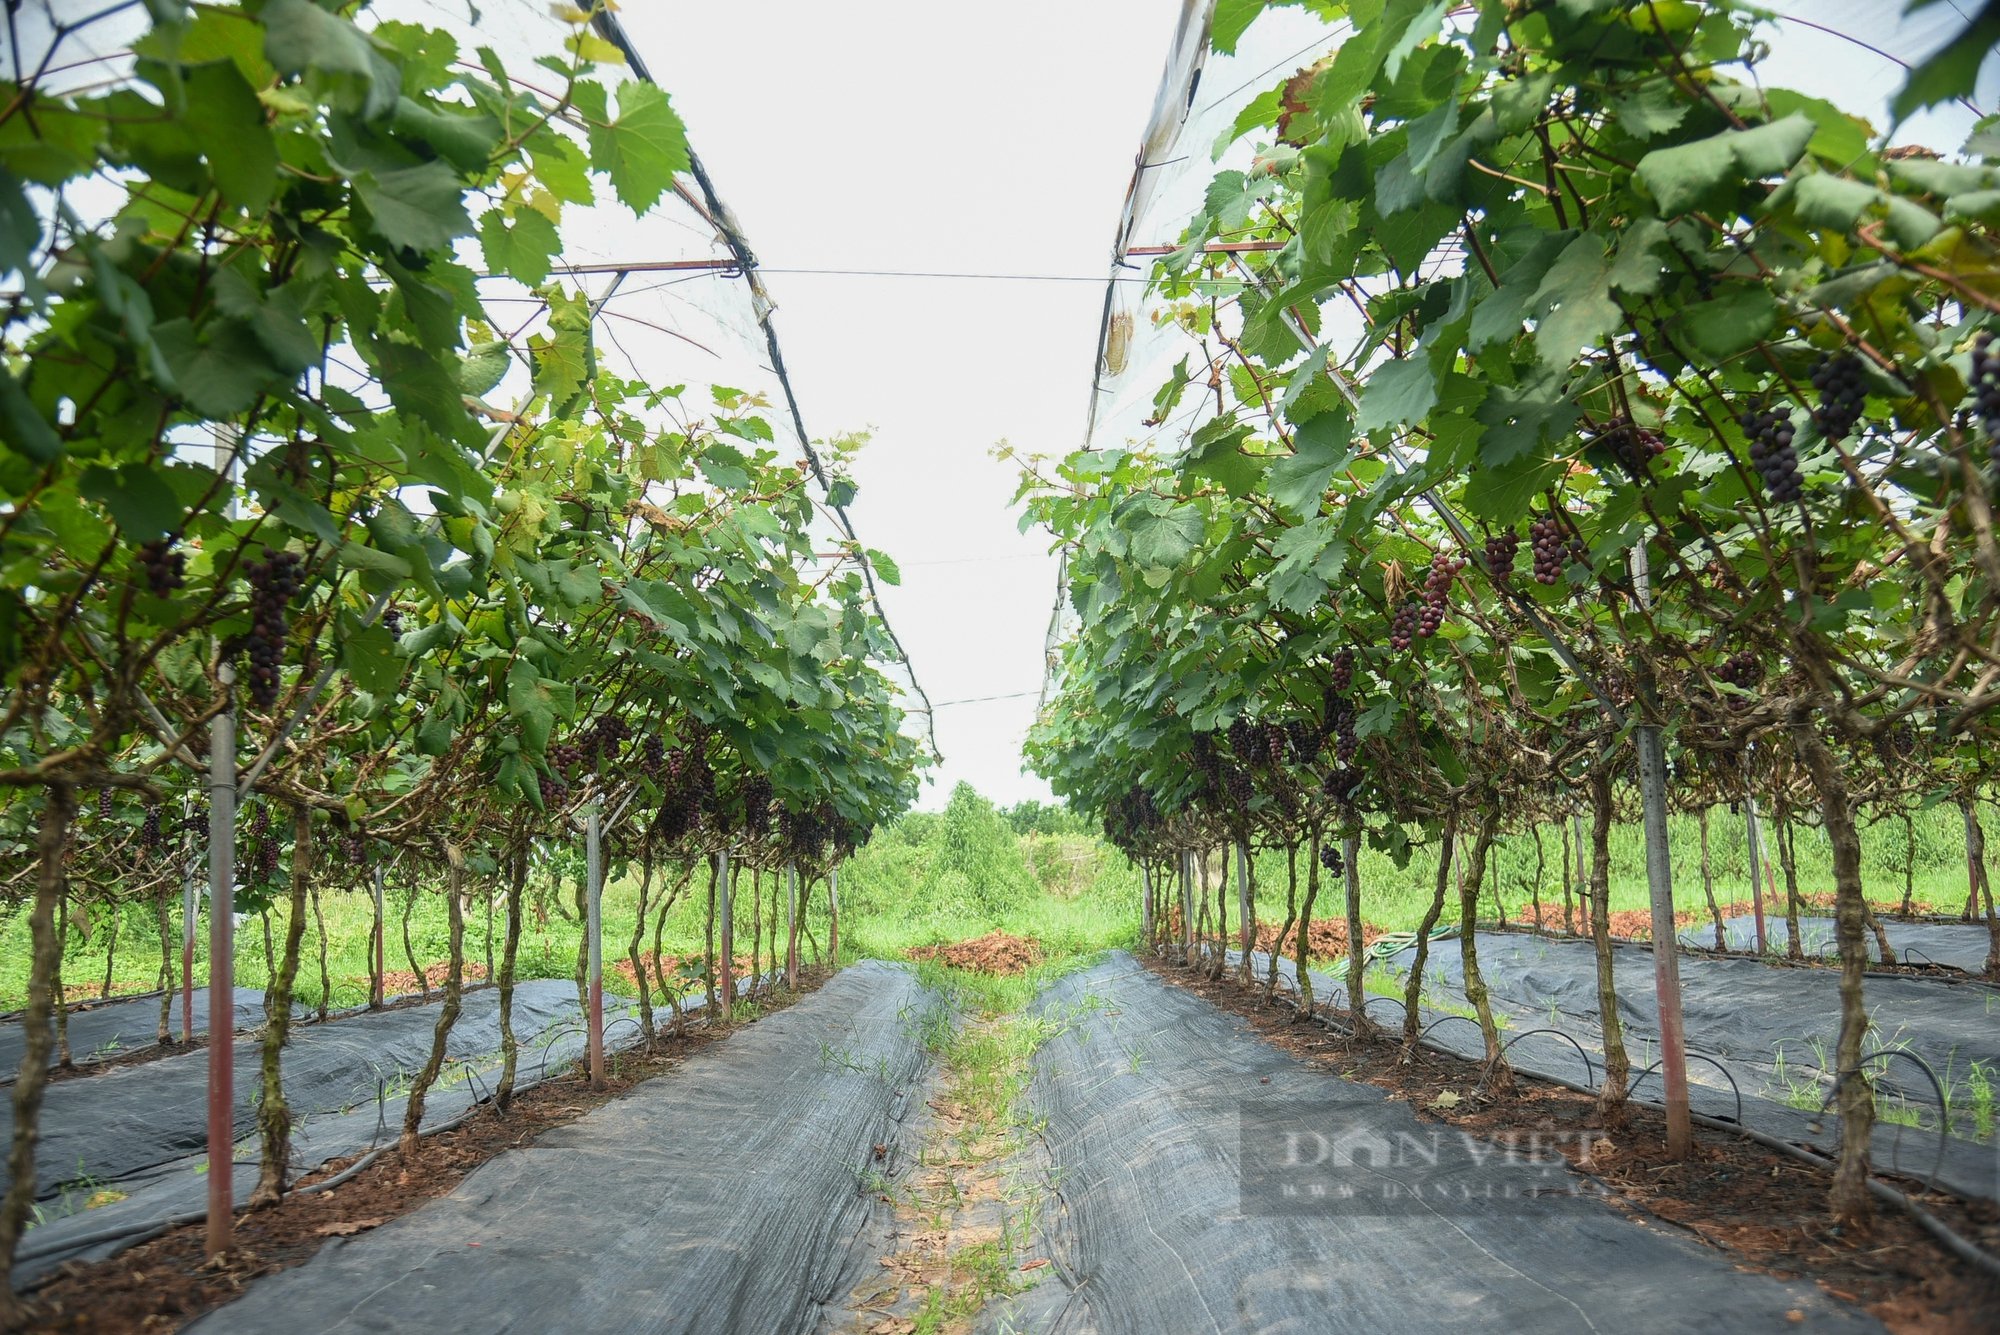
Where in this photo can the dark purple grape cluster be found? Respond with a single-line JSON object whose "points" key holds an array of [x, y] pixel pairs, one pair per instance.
{"points": [[104, 804], [1437, 592], [354, 844], [1633, 448], [392, 619], [1771, 453], [757, 804], [1403, 625], [274, 582], [1340, 715], [1240, 787], [1243, 739], [552, 787], [1986, 390], [1742, 669], [1502, 550], [1206, 760], [1129, 820], [1272, 743], [1842, 391], [260, 820], [567, 756], [688, 789], [653, 756], [1305, 739], [805, 834], [1545, 538], [166, 569], [1330, 858], [149, 828], [1340, 676], [1343, 783]]}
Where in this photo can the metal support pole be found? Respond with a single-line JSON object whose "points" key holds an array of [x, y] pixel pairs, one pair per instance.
{"points": [[1660, 885], [1754, 841], [594, 928], [726, 961], [1187, 905], [1582, 885], [792, 927], [221, 967], [377, 992], [1146, 906], [1246, 910], [833, 925]]}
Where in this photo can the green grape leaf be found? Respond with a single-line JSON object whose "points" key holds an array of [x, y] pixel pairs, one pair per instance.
{"points": [[521, 250], [370, 657], [1398, 391], [137, 497], [1573, 304], [1320, 448], [1681, 176], [886, 569], [642, 148], [1953, 71], [27, 431], [421, 207], [300, 38], [226, 120]]}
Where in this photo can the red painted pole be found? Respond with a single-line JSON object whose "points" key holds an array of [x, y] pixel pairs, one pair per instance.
{"points": [[221, 971], [594, 924], [727, 962]]}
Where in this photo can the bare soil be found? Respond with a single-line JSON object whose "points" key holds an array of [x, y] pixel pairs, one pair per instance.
{"points": [[996, 953], [164, 1284], [1763, 1209]]}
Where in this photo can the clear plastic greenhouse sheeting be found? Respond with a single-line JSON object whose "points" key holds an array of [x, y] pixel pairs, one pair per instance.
{"points": [[1852, 53], [674, 304]]}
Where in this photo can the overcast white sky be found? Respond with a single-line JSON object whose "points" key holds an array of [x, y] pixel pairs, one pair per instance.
{"points": [[927, 136], [914, 135]]}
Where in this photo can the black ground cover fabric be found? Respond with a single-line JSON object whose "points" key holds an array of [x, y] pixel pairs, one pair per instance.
{"points": [[1959, 945], [1756, 1037], [142, 1130], [111, 1028], [1145, 1098], [1754, 1016], [723, 1197]]}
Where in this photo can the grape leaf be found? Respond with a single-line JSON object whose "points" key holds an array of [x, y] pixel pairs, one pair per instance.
{"points": [[227, 121], [642, 148], [521, 251], [421, 207], [1398, 391], [1680, 176]]}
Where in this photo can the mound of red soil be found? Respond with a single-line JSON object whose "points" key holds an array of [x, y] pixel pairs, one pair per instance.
{"points": [[996, 952], [1637, 924], [1326, 940]]}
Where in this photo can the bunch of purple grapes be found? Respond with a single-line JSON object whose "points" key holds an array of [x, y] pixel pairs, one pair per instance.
{"points": [[1437, 592], [166, 568], [274, 582]]}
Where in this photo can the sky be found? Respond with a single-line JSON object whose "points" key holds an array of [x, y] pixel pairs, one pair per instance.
{"points": [[931, 137]]}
